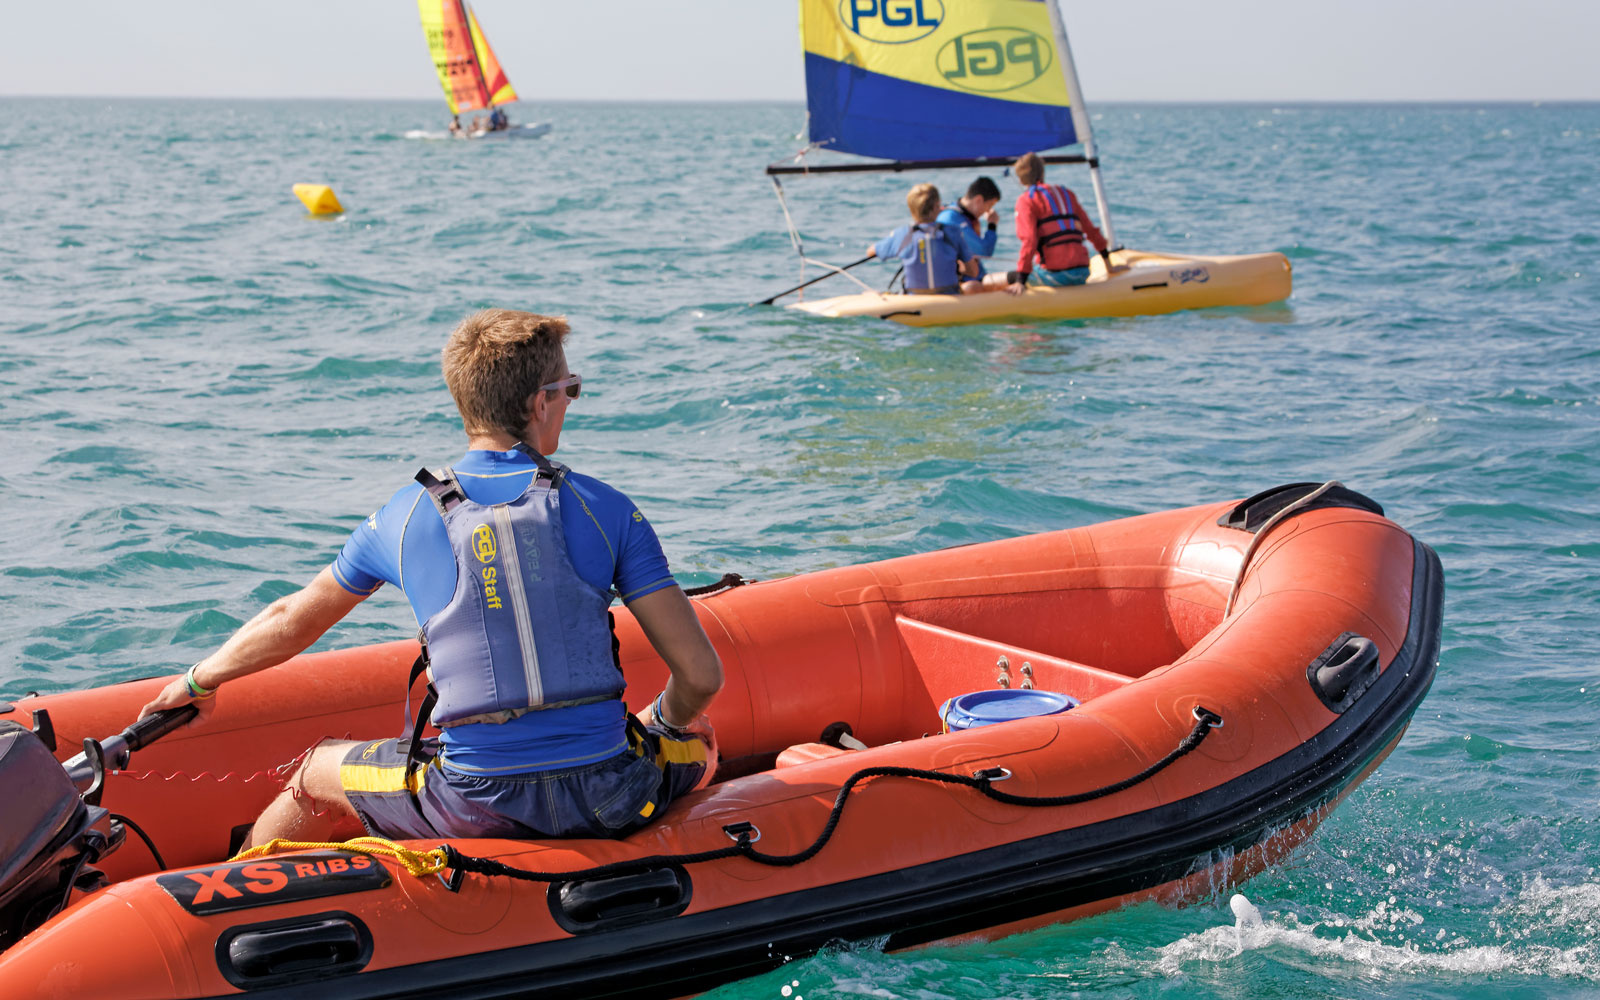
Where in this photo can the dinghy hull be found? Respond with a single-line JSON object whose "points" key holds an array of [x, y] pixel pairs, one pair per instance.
{"points": [[1141, 284], [1314, 672]]}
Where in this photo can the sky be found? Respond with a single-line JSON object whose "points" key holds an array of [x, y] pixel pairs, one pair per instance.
{"points": [[706, 50]]}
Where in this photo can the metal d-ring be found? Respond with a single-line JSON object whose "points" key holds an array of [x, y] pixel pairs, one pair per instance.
{"points": [[453, 882], [744, 831], [993, 774], [1206, 715]]}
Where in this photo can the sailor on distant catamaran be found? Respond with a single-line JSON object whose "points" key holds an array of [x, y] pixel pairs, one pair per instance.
{"points": [[471, 76]]}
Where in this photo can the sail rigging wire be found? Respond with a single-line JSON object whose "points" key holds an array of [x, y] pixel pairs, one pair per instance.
{"points": [[798, 243], [794, 233], [841, 270]]}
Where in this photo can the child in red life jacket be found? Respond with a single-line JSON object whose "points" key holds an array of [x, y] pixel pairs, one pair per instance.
{"points": [[934, 256], [1052, 227]]}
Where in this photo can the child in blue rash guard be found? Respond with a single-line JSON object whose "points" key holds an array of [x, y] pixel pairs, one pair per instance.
{"points": [[934, 256], [966, 217]]}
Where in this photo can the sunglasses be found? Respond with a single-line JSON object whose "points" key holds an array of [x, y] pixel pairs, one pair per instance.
{"points": [[572, 383]]}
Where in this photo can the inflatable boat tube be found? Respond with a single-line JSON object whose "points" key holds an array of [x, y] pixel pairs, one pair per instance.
{"points": [[1140, 284], [1237, 668]]}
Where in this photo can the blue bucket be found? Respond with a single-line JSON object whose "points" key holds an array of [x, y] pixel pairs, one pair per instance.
{"points": [[985, 708]]}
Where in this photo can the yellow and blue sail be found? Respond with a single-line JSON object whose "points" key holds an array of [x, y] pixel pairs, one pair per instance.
{"points": [[934, 79]]}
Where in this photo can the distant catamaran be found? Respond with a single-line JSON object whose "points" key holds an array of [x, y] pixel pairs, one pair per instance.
{"points": [[927, 84], [471, 76]]}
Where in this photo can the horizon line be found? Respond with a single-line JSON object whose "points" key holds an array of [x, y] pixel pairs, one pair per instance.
{"points": [[800, 102]]}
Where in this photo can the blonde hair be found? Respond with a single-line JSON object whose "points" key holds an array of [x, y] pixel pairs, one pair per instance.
{"points": [[1029, 169], [497, 358], [923, 200]]}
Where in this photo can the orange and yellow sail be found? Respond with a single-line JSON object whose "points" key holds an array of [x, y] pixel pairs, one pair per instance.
{"points": [[468, 70]]}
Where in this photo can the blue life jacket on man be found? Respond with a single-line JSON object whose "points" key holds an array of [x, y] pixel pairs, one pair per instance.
{"points": [[929, 252], [979, 244], [523, 631]]}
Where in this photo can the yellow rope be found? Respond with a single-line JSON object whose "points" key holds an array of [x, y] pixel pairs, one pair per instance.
{"points": [[418, 863]]}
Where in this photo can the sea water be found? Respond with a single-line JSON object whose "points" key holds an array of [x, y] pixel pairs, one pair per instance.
{"points": [[203, 390]]}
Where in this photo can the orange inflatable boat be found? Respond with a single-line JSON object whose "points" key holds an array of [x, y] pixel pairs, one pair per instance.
{"points": [[1186, 695]]}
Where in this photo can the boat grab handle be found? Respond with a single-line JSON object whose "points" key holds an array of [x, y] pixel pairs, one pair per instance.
{"points": [[1344, 671], [619, 901], [295, 951]]}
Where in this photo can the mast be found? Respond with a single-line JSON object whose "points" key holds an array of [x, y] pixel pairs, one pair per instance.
{"points": [[1080, 121], [477, 64]]}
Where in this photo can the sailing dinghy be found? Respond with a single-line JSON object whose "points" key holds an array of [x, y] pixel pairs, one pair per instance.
{"points": [[471, 76], [934, 84]]}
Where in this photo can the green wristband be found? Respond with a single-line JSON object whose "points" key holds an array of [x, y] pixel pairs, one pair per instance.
{"points": [[196, 692]]}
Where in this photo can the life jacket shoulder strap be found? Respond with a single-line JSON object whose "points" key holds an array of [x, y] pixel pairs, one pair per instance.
{"points": [[553, 472], [429, 700], [444, 490]]}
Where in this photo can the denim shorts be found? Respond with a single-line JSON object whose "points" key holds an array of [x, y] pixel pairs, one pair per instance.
{"points": [[609, 799], [1060, 279]]}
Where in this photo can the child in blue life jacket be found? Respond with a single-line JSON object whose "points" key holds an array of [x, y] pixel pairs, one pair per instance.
{"points": [[968, 215], [934, 255]]}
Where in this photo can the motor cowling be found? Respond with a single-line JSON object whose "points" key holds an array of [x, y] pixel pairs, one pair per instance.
{"points": [[44, 834]]}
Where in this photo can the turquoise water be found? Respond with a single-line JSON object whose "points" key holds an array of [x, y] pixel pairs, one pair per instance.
{"points": [[202, 390]]}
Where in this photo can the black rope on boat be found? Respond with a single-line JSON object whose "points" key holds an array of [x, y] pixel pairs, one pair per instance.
{"points": [[728, 582], [744, 847]]}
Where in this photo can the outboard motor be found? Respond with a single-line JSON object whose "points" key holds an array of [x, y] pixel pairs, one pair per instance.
{"points": [[53, 827], [47, 837]]}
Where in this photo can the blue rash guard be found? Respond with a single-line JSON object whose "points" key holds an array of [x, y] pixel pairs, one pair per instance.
{"points": [[929, 252], [979, 245], [611, 546]]}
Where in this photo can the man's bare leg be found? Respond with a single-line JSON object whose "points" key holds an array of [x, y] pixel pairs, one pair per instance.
{"points": [[312, 805]]}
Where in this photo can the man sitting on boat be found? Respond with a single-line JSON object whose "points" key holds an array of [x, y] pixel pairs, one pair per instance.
{"points": [[498, 122], [934, 255], [1052, 227], [967, 215], [509, 561]]}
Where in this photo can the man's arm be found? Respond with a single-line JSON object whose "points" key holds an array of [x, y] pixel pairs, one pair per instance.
{"points": [[669, 622], [887, 248], [1027, 237], [966, 258], [282, 629], [986, 242]]}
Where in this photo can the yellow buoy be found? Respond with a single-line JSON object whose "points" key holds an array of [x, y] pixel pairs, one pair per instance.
{"points": [[319, 199]]}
